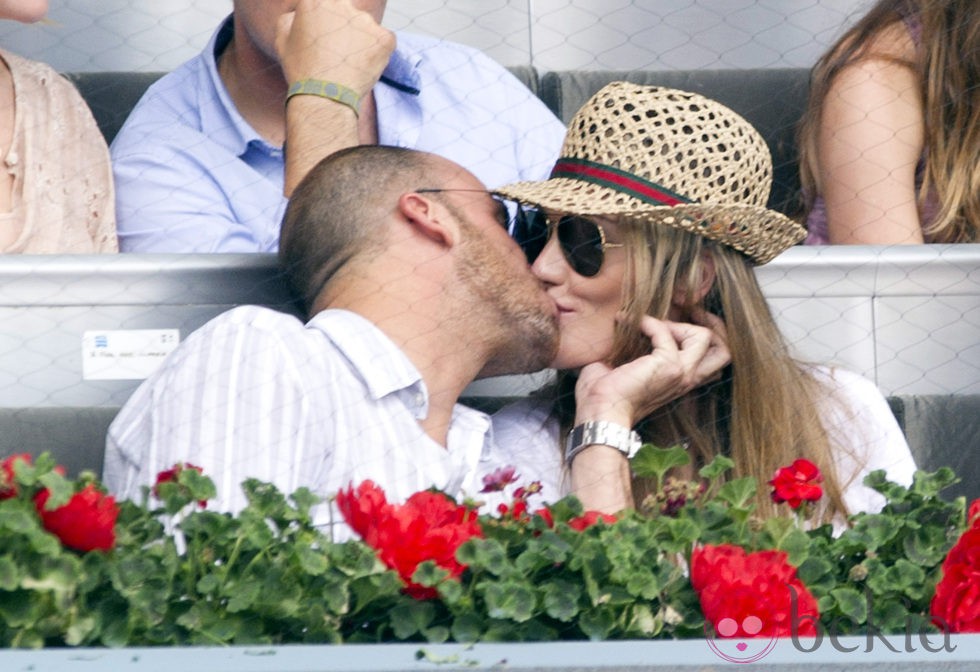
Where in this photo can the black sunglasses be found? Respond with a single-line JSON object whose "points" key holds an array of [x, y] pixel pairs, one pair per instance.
{"points": [[582, 241]]}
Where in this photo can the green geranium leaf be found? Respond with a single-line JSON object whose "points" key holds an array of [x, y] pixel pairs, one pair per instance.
{"points": [[242, 595], [597, 624], [468, 627], [410, 618], [61, 489], [305, 499], [929, 485], [56, 574], [738, 492], [815, 573], [20, 608], [10, 573], [199, 486], [79, 631], [642, 621], [312, 560], [209, 583], [18, 518], [925, 546], [429, 573], [561, 600], [510, 600], [436, 635], [851, 604], [653, 462], [717, 468]]}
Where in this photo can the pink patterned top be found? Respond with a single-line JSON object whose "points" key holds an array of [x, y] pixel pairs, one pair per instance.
{"points": [[62, 195]]}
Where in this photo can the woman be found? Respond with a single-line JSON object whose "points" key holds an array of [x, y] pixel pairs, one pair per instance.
{"points": [[645, 236], [891, 136], [56, 193]]}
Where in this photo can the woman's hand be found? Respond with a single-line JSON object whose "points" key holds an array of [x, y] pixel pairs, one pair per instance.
{"points": [[684, 357]]}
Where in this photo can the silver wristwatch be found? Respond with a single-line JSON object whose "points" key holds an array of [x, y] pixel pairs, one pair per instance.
{"points": [[623, 439]]}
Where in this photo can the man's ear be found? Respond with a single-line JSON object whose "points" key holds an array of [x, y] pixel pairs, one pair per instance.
{"points": [[680, 297], [429, 218]]}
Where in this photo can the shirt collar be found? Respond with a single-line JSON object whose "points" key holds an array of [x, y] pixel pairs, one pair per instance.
{"points": [[220, 119], [381, 364], [402, 72]]}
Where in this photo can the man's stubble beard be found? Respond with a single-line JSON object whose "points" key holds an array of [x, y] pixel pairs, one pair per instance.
{"points": [[520, 326]]}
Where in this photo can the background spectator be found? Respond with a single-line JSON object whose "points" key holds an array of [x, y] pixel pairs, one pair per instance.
{"points": [[199, 165], [56, 187], [890, 141]]}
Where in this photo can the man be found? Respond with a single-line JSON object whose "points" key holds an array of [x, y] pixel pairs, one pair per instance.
{"points": [[199, 165], [414, 287]]}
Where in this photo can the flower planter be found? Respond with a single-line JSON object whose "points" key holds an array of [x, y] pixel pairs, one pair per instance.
{"points": [[625, 655]]}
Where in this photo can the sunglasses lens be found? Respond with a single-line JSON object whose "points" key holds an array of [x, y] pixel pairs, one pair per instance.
{"points": [[530, 232], [581, 242]]}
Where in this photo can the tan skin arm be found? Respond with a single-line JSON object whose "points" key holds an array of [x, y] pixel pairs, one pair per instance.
{"points": [[871, 139], [684, 357], [333, 41]]}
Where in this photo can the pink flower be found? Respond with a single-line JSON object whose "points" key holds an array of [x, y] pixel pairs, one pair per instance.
{"points": [[497, 480]]}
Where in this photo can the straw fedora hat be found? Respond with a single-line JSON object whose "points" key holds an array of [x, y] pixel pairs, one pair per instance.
{"points": [[670, 157]]}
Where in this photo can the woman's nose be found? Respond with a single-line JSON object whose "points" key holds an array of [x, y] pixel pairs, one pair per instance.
{"points": [[550, 266]]}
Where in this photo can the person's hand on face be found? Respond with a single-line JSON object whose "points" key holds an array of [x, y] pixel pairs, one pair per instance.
{"points": [[685, 356], [334, 41]]}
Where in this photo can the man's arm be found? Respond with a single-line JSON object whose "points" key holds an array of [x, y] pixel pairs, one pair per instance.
{"points": [[328, 40]]}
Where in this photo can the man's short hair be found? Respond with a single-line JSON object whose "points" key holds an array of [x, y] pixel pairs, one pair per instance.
{"points": [[336, 211]]}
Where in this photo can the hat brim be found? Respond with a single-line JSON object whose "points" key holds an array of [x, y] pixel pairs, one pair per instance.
{"points": [[758, 232]]}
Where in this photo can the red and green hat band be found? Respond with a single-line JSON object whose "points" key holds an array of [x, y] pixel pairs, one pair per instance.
{"points": [[619, 180]]}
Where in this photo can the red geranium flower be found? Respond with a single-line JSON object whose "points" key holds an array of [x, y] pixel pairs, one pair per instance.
{"points": [[973, 513], [797, 483], [8, 488], [590, 518], [170, 476], [86, 523], [428, 526], [733, 586], [956, 603]]}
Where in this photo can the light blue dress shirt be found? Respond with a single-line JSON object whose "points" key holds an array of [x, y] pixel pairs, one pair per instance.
{"points": [[192, 176]]}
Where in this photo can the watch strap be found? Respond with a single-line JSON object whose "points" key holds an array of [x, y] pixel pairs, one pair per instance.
{"points": [[600, 432]]}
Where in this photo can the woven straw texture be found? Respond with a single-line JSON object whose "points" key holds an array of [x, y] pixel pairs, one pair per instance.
{"points": [[668, 157]]}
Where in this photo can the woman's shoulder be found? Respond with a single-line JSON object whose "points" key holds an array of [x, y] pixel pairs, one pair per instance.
{"points": [[893, 46], [851, 390], [41, 85]]}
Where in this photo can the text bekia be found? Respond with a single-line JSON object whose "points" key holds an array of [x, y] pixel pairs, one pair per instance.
{"points": [[872, 633]]}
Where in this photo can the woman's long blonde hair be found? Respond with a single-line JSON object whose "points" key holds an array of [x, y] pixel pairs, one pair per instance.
{"points": [[765, 411], [947, 66]]}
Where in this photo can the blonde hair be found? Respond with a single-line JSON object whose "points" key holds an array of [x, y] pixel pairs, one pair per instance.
{"points": [[947, 66], [764, 412]]}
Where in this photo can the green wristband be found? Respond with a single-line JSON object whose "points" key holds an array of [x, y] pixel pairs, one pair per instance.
{"points": [[329, 90]]}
